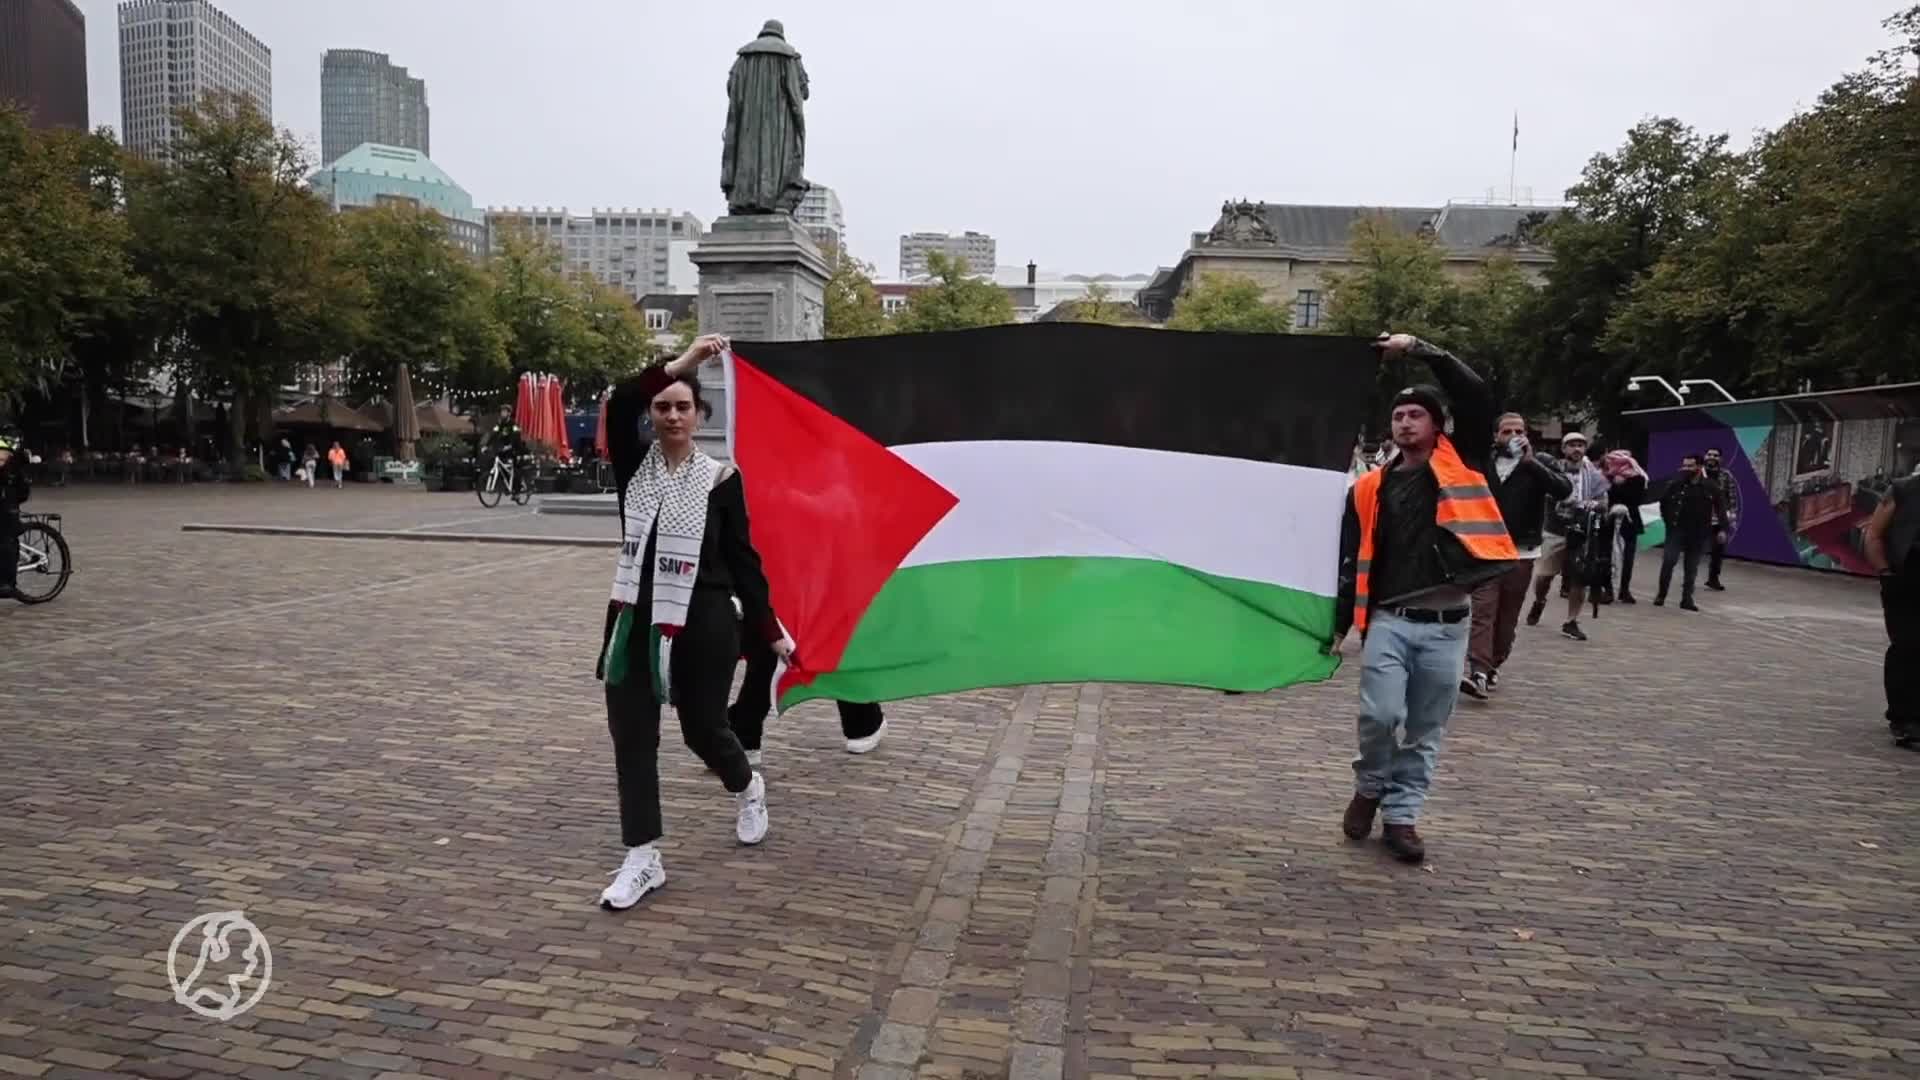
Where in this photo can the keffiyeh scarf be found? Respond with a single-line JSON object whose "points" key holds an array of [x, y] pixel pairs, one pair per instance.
{"points": [[672, 503]]}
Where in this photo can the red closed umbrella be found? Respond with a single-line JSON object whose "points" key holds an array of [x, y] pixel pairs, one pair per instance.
{"points": [[523, 404], [563, 444]]}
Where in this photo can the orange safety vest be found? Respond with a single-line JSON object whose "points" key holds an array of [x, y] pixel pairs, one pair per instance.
{"points": [[1466, 509]]}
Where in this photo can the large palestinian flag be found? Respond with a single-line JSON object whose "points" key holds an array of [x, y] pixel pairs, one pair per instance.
{"points": [[1048, 503]]}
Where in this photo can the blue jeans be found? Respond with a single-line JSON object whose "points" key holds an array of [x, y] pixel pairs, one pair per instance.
{"points": [[1409, 680]]}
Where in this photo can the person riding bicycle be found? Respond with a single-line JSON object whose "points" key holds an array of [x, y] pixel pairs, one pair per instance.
{"points": [[508, 445], [14, 490]]}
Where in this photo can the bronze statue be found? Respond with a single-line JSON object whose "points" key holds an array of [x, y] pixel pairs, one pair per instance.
{"points": [[763, 158]]}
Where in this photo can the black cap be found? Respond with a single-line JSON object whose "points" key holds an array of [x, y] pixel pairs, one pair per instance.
{"points": [[1427, 397]]}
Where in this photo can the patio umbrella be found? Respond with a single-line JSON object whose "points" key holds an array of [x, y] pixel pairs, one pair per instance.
{"points": [[563, 445], [600, 430], [406, 422], [523, 403]]}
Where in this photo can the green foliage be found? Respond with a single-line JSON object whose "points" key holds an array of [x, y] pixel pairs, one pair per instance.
{"points": [[1099, 306], [1398, 284], [954, 302], [428, 318], [65, 274], [684, 331], [1229, 302], [441, 449], [853, 307], [1629, 209], [248, 265]]}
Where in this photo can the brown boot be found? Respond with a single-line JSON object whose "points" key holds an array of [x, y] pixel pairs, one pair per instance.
{"points": [[1404, 842], [1358, 822]]}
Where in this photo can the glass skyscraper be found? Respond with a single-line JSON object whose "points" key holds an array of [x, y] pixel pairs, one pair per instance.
{"points": [[365, 98]]}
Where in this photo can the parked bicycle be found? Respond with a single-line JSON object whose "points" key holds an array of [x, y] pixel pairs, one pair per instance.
{"points": [[45, 561], [513, 478]]}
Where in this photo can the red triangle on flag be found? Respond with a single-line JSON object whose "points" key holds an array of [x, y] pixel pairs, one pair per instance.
{"points": [[833, 513]]}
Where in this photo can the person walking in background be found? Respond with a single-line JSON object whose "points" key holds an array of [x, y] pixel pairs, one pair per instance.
{"points": [[1722, 479], [310, 464], [1587, 490], [1689, 508], [1626, 492], [1893, 550], [1417, 536], [337, 457], [1526, 486], [862, 724]]}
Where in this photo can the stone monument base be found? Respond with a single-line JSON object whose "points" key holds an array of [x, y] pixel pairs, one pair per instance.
{"points": [[762, 278]]}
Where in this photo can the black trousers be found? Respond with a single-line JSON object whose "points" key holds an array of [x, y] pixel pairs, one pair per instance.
{"points": [[1716, 554], [1681, 545], [748, 716], [1900, 601], [9, 547], [703, 658], [1629, 547]]}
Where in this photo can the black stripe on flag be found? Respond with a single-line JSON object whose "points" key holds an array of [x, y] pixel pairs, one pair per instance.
{"points": [[1292, 398]]}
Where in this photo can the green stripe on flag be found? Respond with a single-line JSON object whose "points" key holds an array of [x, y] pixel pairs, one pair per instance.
{"points": [[952, 626]]}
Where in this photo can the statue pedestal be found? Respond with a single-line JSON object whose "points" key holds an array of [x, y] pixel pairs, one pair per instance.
{"points": [[761, 279]]}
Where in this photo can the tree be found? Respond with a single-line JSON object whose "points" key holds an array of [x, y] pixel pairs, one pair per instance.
{"points": [[1099, 306], [1398, 283], [684, 332], [539, 307], [955, 301], [1629, 208], [1229, 302], [428, 316], [1797, 260], [65, 272], [247, 265], [853, 307]]}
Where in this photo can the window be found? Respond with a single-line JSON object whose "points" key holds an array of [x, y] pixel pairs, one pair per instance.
{"points": [[658, 319], [1306, 310]]}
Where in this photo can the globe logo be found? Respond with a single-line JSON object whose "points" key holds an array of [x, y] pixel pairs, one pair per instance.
{"points": [[229, 964]]}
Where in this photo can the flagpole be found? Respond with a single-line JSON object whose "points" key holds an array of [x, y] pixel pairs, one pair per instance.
{"points": [[1513, 159]]}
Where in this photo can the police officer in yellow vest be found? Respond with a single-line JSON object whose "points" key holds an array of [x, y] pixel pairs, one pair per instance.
{"points": [[1419, 533]]}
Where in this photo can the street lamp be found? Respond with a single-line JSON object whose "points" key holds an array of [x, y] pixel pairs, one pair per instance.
{"points": [[1687, 385], [1634, 385]]}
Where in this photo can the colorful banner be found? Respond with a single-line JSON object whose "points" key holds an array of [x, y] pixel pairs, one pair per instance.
{"points": [[1807, 470]]}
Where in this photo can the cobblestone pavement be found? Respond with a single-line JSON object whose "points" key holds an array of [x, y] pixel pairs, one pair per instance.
{"points": [[1685, 848]]}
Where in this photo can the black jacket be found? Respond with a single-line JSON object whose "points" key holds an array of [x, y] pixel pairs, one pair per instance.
{"points": [[1526, 495], [1692, 504], [14, 486], [727, 556], [1447, 561]]}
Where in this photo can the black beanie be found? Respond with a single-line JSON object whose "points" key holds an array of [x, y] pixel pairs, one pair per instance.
{"points": [[1427, 397]]}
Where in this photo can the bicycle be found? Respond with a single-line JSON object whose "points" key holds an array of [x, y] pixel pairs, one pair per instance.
{"points": [[45, 561], [506, 478]]}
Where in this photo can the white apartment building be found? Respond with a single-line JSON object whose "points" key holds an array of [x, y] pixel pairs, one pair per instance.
{"points": [[173, 53], [978, 249], [630, 250], [823, 217]]}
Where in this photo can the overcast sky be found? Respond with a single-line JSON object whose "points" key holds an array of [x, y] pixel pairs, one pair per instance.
{"points": [[1088, 137]]}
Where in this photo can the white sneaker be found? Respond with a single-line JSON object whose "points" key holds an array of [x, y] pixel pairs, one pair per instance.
{"points": [[751, 827], [639, 875], [753, 758], [868, 744]]}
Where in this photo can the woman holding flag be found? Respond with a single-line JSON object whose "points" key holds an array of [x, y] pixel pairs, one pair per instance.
{"points": [[672, 635]]}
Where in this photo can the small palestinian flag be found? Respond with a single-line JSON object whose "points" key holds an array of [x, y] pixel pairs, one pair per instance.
{"points": [[1049, 503]]}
